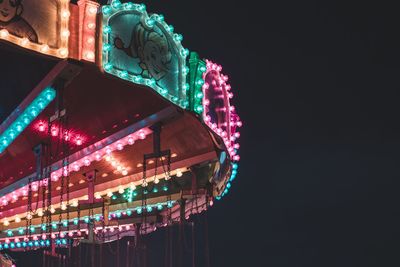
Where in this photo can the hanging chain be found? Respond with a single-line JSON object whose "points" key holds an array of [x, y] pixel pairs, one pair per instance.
{"points": [[29, 210], [65, 173], [79, 218], [61, 196], [103, 211], [44, 187], [66, 152], [168, 174]]}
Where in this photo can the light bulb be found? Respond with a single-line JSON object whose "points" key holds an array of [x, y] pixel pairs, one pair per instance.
{"points": [[4, 33], [65, 14], [89, 55], [78, 141], [92, 10], [86, 162], [45, 48], [41, 127], [131, 141], [65, 33], [24, 41]]}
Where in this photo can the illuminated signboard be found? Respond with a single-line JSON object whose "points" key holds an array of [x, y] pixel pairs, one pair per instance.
{"points": [[37, 25], [144, 49]]}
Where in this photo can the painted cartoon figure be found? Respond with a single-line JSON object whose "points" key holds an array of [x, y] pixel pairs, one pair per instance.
{"points": [[10, 19], [151, 48]]}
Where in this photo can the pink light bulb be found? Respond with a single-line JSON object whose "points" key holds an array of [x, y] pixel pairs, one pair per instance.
{"points": [[34, 187], [98, 156], [53, 235], [86, 162], [41, 127], [120, 146], [131, 140], [54, 131], [142, 135], [78, 141], [54, 177], [44, 237], [75, 167], [66, 136]]}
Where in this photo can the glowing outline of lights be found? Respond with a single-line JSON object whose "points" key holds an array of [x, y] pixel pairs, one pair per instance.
{"points": [[197, 69], [98, 193], [26, 117], [115, 8], [112, 216], [103, 152], [61, 51], [229, 138], [55, 175], [88, 11]]}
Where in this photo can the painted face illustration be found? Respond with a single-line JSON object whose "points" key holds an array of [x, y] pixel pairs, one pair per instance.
{"points": [[151, 48], [9, 9], [155, 55]]}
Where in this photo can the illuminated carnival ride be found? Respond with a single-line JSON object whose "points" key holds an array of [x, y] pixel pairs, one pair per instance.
{"points": [[128, 132]]}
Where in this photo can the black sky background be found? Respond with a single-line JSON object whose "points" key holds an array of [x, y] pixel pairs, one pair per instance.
{"points": [[316, 86]]}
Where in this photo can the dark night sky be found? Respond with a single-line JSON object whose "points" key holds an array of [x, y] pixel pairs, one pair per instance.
{"points": [[317, 88]]}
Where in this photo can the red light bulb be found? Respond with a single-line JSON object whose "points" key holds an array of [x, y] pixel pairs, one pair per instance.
{"points": [[41, 127], [78, 141], [54, 131]]}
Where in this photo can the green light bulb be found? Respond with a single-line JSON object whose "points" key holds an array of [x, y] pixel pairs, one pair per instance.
{"points": [[107, 29]]}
